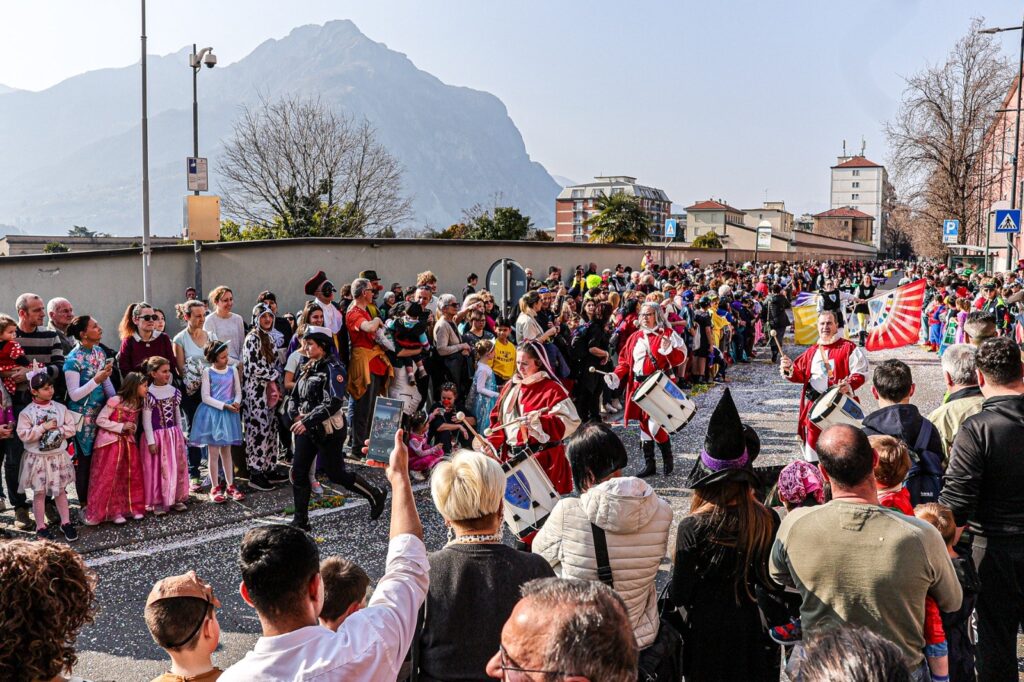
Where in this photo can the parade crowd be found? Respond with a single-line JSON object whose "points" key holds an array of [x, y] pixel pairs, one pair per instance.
{"points": [[892, 549]]}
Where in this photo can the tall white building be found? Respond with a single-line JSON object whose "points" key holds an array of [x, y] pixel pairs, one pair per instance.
{"points": [[861, 184]]}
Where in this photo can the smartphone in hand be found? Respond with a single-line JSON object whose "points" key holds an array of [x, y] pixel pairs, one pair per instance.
{"points": [[387, 419]]}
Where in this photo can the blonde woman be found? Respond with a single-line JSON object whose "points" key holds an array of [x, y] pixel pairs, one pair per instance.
{"points": [[527, 327], [226, 325], [475, 574]]}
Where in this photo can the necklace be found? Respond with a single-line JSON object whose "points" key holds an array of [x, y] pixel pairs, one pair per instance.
{"points": [[476, 539]]}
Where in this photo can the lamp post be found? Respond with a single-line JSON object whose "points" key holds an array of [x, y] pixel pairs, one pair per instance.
{"points": [[147, 289], [1016, 133], [196, 60]]}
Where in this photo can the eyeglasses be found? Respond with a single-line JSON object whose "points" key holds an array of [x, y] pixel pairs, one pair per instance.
{"points": [[507, 666], [149, 318]]}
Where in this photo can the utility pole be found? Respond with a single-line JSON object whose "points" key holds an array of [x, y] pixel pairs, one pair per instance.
{"points": [[147, 285]]}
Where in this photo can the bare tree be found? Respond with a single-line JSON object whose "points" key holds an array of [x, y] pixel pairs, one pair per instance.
{"points": [[373, 184], [936, 137], [296, 165]]}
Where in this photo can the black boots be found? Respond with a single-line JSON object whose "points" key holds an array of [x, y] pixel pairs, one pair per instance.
{"points": [[666, 456], [375, 495], [649, 469], [300, 495]]}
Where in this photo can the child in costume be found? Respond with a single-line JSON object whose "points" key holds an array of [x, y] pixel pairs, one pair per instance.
{"points": [[44, 427], [164, 462], [217, 424], [116, 483]]}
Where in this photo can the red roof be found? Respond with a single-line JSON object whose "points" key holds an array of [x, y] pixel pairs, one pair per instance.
{"points": [[845, 212], [858, 162], [712, 206]]}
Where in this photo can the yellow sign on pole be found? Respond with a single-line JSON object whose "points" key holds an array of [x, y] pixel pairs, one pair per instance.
{"points": [[202, 218]]}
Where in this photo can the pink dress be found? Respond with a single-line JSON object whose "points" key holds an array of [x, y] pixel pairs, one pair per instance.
{"points": [[423, 457], [115, 478], [165, 474]]}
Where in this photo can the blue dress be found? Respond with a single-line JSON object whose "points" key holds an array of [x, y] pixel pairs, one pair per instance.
{"points": [[212, 425], [483, 404]]}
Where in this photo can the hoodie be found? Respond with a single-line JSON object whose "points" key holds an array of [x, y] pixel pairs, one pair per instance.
{"points": [[986, 467], [636, 523], [903, 422]]}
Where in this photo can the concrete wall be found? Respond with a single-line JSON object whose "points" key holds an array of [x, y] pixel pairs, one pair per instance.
{"points": [[103, 283]]}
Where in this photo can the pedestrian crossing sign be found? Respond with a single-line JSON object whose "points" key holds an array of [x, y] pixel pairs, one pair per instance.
{"points": [[1008, 220]]}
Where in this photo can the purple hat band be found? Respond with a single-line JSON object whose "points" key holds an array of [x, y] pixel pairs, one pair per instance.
{"points": [[723, 464]]}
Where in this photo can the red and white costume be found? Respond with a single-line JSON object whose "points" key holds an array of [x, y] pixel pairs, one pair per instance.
{"points": [[845, 361], [639, 358], [520, 397]]}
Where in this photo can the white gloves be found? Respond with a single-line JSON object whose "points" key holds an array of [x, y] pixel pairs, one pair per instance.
{"points": [[611, 381]]}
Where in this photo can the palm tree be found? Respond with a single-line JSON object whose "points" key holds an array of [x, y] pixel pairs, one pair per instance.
{"points": [[619, 220]]}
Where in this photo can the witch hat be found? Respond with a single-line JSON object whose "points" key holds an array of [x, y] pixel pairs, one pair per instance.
{"points": [[730, 448]]}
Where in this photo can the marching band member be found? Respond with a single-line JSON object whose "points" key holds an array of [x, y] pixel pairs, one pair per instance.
{"points": [[531, 391], [654, 347], [833, 361]]}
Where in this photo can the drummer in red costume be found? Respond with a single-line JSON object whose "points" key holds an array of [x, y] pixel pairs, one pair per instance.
{"points": [[655, 346], [531, 390], [847, 367]]}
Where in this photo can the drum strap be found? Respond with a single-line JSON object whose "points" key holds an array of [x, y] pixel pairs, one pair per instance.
{"points": [[604, 566]]}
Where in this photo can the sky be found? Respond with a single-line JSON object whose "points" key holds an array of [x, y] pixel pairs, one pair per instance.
{"points": [[734, 99]]}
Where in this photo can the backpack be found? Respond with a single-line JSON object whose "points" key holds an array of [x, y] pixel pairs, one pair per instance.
{"points": [[924, 480]]}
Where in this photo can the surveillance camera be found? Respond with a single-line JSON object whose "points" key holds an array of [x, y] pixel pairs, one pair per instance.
{"points": [[210, 59]]}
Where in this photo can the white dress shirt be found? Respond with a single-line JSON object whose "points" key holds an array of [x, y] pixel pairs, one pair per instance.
{"points": [[334, 319], [369, 646]]}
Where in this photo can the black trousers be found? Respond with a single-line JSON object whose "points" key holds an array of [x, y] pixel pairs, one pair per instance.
{"points": [[362, 415], [780, 331], [83, 465], [189, 405], [1000, 607], [587, 399], [306, 450], [14, 449]]}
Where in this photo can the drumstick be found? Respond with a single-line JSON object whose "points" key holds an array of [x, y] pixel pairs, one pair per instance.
{"points": [[461, 417], [595, 370], [518, 420], [775, 337]]}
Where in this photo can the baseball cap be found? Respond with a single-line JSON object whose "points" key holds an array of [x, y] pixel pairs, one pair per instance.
{"points": [[187, 585]]}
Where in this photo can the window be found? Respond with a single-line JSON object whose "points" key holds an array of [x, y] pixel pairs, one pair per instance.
{"points": [[856, 185], [579, 205], [616, 190], [856, 173], [577, 194], [855, 197]]}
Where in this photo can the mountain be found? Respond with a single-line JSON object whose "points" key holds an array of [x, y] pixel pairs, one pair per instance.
{"points": [[78, 143], [564, 181]]}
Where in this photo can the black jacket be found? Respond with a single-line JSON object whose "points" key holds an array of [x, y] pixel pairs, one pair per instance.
{"points": [[775, 311], [984, 479], [318, 393]]}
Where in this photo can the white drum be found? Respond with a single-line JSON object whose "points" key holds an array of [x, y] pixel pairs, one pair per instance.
{"points": [[835, 408], [664, 402], [529, 495]]}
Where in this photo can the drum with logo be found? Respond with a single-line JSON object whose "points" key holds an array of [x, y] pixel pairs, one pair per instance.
{"points": [[529, 495], [664, 402], [833, 408]]}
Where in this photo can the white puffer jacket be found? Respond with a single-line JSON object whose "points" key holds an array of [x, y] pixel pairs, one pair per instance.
{"points": [[636, 523]]}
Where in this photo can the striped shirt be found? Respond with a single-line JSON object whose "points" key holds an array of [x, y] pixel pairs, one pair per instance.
{"points": [[41, 346]]}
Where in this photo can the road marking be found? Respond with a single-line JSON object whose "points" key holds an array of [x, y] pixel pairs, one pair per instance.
{"points": [[117, 554]]}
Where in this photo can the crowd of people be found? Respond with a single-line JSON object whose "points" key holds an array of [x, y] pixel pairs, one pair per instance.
{"points": [[873, 552]]}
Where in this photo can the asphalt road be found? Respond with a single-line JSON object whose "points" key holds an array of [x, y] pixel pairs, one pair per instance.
{"points": [[129, 559]]}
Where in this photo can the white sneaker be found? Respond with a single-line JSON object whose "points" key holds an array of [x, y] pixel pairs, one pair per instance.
{"points": [[317, 488]]}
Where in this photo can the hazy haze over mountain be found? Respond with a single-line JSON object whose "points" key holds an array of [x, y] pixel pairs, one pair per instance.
{"points": [[77, 145]]}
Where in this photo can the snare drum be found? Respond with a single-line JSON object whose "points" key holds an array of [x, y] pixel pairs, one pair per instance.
{"points": [[835, 408], [664, 402], [529, 495]]}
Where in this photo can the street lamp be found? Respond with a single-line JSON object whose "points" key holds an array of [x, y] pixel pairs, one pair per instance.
{"points": [[197, 60], [1016, 134]]}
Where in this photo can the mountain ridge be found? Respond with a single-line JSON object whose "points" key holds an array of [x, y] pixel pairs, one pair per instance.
{"points": [[80, 140]]}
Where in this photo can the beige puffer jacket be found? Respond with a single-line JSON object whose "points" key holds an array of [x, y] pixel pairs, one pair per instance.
{"points": [[636, 523]]}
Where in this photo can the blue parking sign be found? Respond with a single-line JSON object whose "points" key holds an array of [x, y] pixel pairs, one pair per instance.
{"points": [[950, 231], [670, 227]]}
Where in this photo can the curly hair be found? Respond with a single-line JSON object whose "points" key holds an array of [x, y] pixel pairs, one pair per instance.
{"points": [[46, 597]]}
